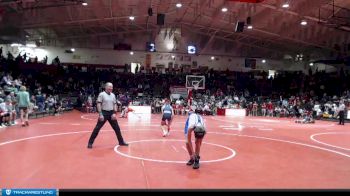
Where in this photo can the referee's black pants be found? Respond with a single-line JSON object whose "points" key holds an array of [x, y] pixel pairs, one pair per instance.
{"points": [[107, 115], [341, 118]]}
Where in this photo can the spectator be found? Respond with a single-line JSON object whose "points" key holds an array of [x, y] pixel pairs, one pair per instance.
{"points": [[23, 105], [255, 109], [6, 80], [50, 102], [4, 114], [45, 60], [56, 61], [11, 110], [40, 101], [263, 109], [269, 109]]}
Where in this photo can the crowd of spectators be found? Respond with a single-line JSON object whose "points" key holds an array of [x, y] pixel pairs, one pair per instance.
{"points": [[286, 94]]}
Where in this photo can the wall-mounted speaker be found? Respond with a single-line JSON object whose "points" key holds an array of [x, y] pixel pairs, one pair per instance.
{"points": [[239, 27], [150, 11], [160, 19]]}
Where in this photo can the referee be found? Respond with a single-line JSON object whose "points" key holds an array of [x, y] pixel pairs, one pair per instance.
{"points": [[107, 107]]}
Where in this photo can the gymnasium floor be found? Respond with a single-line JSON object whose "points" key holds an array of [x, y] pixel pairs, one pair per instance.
{"points": [[238, 153]]}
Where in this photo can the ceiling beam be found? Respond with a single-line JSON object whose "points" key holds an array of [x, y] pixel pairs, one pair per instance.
{"points": [[216, 15], [284, 37], [38, 25], [231, 40]]}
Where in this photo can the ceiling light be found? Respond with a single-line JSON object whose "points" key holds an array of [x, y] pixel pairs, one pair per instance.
{"points": [[31, 45], [303, 22], [132, 17], [16, 45], [170, 46], [224, 9], [178, 5], [84, 4], [285, 5]]}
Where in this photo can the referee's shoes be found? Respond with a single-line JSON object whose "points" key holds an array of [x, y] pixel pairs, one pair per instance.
{"points": [[122, 144]]}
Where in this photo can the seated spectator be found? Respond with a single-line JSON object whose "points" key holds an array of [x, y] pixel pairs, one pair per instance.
{"points": [[283, 112], [13, 97], [89, 105], [277, 111], [58, 108], [40, 101], [11, 110], [207, 110], [6, 80], [4, 114], [50, 101]]}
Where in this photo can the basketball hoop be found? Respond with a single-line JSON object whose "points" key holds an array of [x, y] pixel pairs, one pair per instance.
{"points": [[195, 82]]}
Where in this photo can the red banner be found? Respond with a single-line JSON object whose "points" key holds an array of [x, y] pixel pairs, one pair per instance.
{"points": [[148, 61]]}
